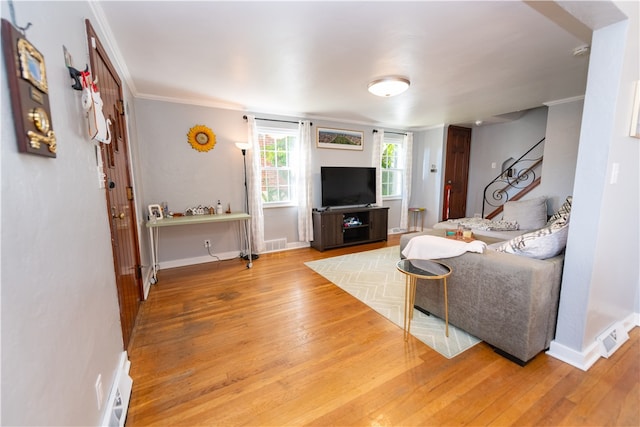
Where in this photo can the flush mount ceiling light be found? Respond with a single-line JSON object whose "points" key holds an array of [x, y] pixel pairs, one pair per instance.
{"points": [[389, 86]]}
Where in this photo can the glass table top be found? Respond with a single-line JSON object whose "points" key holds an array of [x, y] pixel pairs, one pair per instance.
{"points": [[423, 268]]}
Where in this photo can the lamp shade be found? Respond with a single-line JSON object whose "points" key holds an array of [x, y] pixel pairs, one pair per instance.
{"points": [[389, 86], [243, 145]]}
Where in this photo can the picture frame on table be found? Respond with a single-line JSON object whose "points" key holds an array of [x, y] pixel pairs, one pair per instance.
{"points": [[340, 139], [155, 212]]}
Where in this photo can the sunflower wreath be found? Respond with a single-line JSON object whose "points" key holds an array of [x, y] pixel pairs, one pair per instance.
{"points": [[201, 138]]}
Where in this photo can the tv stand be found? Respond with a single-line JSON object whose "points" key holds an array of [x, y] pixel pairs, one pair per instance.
{"points": [[336, 227]]}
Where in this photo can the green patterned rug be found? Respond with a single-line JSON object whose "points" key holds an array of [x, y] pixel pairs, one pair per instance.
{"points": [[372, 277]]}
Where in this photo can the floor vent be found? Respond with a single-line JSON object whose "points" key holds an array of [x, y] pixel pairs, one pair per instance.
{"points": [[275, 245], [612, 339]]}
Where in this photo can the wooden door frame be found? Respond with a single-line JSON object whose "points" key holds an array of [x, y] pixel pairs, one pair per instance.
{"points": [[96, 48]]}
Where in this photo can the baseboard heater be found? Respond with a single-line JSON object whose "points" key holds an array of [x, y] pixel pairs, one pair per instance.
{"points": [[115, 412]]}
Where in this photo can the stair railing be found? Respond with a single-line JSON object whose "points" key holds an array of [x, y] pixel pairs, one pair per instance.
{"points": [[518, 176]]}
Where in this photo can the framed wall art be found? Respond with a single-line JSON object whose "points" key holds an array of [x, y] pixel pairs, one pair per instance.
{"points": [[27, 77], [340, 139]]}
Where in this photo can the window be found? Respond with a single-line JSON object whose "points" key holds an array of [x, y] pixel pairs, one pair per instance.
{"points": [[392, 166], [277, 147]]}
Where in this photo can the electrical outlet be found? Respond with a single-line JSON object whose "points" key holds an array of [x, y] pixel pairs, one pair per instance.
{"points": [[207, 243], [99, 392]]}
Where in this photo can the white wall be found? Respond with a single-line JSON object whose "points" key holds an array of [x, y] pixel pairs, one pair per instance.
{"points": [[560, 151], [601, 277], [60, 317], [426, 186]]}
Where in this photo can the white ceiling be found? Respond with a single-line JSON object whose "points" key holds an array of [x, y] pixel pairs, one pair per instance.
{"points": [[466, 60]]}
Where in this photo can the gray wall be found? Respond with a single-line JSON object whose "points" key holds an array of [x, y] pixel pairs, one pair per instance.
{"points": [[175, 173], [560, 151], [60, 317], [495, 143], [559, 124]]}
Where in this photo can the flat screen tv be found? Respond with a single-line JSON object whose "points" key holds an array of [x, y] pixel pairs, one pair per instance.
{"points": [[348, 186]]}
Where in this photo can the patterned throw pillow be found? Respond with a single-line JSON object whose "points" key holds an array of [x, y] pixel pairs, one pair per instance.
{"points": [[544, 243], [530, 214], [563, 213]]}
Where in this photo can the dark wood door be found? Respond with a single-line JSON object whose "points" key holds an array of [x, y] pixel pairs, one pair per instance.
{"points": [[456, 173], [119, 191]]}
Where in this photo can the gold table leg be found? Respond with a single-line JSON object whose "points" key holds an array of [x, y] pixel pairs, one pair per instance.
{"points": [[446, 308], [409, 302]]}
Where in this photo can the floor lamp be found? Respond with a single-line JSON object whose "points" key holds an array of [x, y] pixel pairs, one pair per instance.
{"points": [[244, 146]]}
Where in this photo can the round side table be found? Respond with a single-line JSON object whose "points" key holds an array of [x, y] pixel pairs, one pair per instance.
{"points": [[415, 213], [422, 269]]}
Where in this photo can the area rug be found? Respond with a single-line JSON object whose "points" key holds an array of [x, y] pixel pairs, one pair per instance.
{"points": [[372, 277]]}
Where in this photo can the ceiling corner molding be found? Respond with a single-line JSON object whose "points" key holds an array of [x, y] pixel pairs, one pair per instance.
{"points": [[110, 41], [563, 101], [432, 127], [563, 18], [195, 102]]}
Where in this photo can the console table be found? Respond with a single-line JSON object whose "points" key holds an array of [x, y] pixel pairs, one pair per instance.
{"points": [[154, 224]]}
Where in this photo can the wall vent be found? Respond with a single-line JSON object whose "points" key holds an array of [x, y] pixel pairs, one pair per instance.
{"points": [[612, 339], [116, 411], [275, 245]]}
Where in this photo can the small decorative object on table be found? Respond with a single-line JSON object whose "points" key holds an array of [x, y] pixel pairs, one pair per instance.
{"points": [[155, 212]]}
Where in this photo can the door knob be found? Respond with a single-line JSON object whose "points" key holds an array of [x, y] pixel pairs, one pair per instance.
{"points": [[116, 215]]}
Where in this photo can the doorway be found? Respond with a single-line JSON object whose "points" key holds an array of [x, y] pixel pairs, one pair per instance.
{"points": [[456, 173]]}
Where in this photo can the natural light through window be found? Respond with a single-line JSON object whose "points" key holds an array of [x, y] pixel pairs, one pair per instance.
{"points": [[392, 166], [276, 151]]}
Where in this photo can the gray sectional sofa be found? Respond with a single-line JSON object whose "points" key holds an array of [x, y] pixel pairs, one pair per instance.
{"points": [[509, 301]]}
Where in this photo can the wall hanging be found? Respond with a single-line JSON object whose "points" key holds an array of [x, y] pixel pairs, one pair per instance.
{"points": [[29, 91], [340, 138], [97, 126], [201, 138]]}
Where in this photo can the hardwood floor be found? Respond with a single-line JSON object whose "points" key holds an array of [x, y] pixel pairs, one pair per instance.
{"points": [[220, 344]]}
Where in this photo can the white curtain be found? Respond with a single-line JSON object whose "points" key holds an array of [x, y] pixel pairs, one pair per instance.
{"points": [[303, 182], [406, 181], [254, 181], [376, 160]]}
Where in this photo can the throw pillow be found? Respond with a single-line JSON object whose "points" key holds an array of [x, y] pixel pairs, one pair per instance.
{"points": [[563, 213], [544, 243], [530, 214]]}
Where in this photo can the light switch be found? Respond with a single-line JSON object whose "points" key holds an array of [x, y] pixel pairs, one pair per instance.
{"points": [[615, 169]]}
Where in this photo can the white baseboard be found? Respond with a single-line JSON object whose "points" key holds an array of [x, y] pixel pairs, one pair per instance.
{"points": [[198, 260], [580, 359], [146, 283], [586, 358], [115, 412], [206, 258]]}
